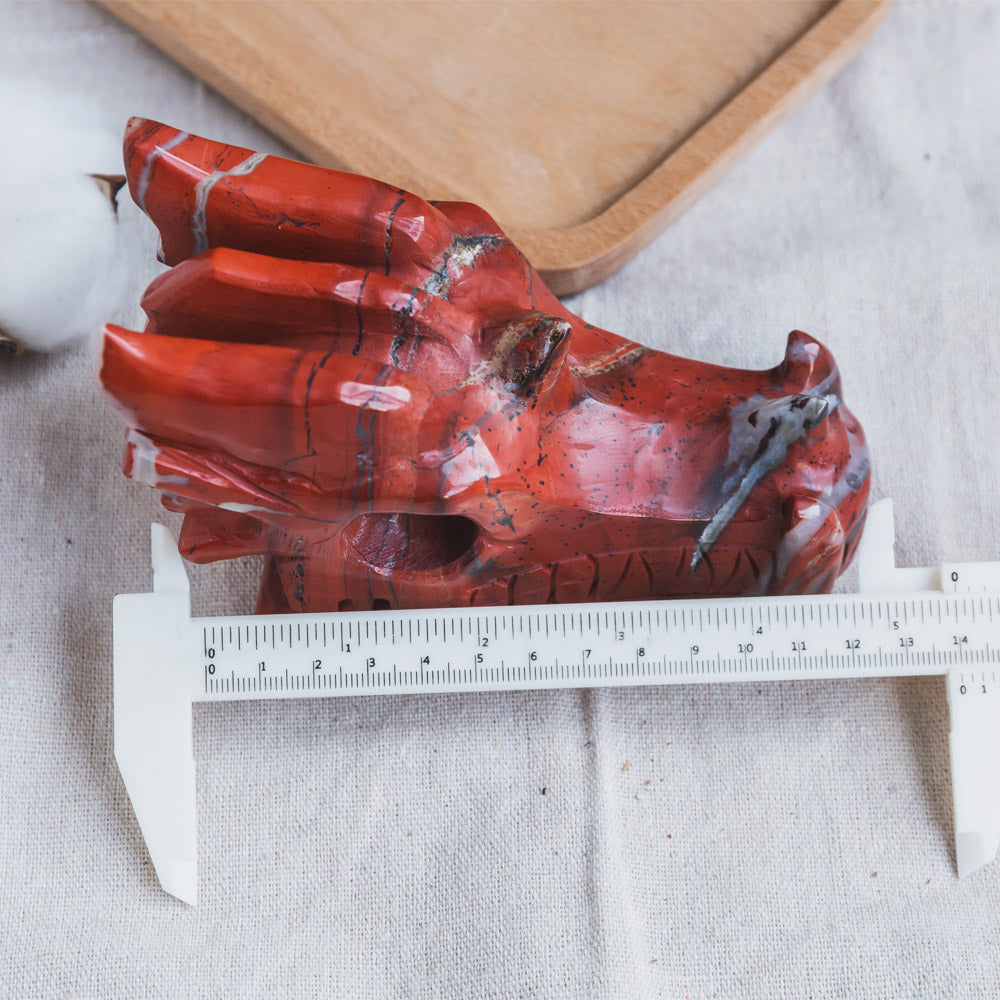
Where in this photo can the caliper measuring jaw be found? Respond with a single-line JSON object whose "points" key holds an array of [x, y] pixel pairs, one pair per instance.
{"points": [[154, 742], [973, 701]]}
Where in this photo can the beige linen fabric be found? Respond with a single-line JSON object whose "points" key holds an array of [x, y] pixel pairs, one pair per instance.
{"points": [[790, 841]]}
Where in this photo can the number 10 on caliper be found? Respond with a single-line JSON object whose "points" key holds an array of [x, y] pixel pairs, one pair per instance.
{"points": [[905, 622]]}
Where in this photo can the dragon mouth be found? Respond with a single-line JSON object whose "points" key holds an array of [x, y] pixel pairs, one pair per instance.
{"points": [[632, 574], [408, 543]]}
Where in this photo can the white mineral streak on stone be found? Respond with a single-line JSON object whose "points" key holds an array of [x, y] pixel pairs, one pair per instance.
{"points": [[204, 188], [744, 438], [144, 455], [858, 468], [613, 359], [147, 168], [464, 255], [460, 255], [744, 442], [484, 371], [780, 422]]}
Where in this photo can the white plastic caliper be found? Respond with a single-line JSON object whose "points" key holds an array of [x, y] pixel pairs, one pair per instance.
{"points": [[905, 622]]}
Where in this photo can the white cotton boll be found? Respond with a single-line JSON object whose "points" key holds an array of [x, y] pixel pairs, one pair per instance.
{"points": [[56, 254], [58, 278], [55, 130]]}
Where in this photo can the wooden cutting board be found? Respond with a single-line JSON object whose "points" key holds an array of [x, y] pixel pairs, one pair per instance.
{"points": [[584, 128]]}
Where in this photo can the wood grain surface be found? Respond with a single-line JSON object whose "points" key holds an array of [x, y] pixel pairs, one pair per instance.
{"points": [[584, 128]]}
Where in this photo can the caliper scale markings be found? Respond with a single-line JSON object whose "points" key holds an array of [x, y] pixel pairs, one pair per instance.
{"points": [[754, 639]]}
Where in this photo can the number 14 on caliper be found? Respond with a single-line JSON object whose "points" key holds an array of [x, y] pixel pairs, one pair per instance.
{"points": [[905, 622]]}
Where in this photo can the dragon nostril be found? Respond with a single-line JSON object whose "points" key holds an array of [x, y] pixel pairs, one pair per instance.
{"points": [[412, 542]]}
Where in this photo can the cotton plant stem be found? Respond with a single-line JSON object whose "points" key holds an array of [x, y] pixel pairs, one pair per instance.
{"points": [[9, 347], [110, 184]]}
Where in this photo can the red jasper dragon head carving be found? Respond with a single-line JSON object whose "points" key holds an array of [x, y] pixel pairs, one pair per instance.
{"points": [[380, 395]]}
